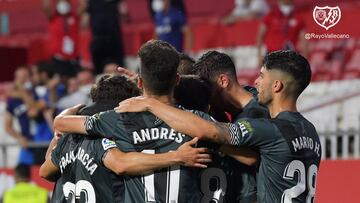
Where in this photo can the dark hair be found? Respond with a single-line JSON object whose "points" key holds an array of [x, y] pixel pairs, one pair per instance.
{"points": [[47, 67], [158, 67], [113, 87], [293, 64], [186, 65], [22, 171], [193, 92], [213, 63]]}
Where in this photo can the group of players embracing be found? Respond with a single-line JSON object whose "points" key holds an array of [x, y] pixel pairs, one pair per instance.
{"points": [[164, 146]]}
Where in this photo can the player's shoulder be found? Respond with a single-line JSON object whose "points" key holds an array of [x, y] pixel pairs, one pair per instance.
{"points": [[198, 113], [256, 125]]}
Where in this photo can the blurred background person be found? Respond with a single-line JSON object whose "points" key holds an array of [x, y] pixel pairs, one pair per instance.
{"points": [[24, 191], [106, 31], [63, 28], [171, 25], [17, 110], [77, 90], [283, 28], [179, 4], [246, 9], [40, 103]]}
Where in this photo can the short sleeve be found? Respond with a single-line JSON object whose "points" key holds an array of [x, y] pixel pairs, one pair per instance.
{"points": [[102, 146], [102, 124], [256, 133], [56, 152]]}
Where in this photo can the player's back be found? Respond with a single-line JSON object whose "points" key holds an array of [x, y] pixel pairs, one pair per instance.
{"points": [[83, 175], [174, 184], [290, 159], [143, 132]]}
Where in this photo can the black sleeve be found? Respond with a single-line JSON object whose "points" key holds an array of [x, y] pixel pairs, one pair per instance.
{"points": [[257, 133], [56, 152], [102, 124], [102, 146]]}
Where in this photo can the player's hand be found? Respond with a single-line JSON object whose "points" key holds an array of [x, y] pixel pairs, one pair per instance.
{"points": [[125, 72], [193, 157], [134, 104], [57, 135]]}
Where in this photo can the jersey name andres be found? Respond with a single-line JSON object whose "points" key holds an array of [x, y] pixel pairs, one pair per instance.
{"points": [[153, 134]]}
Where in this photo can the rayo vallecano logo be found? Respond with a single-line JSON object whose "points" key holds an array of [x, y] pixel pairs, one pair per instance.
{"points": [[326, 16]]}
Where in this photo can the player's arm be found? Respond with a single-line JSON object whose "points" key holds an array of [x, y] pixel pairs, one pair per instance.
{"points": [[48, 169], [8, 124], [182, 121], [68, 122], [136, 163], [244, 155]]}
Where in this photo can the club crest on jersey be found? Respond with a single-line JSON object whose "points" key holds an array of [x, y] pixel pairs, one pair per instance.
{"points": [[107, 144], [326, 16]]}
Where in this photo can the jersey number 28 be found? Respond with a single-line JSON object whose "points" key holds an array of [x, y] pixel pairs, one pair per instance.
{"points": [[298, 167]]}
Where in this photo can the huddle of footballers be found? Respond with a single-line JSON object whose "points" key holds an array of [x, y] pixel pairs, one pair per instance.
{"points": [[163, 146]]}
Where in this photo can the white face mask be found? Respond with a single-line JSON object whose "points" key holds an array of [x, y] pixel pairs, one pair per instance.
{"points": [[286, 9], [157, 5], [63, 7]]}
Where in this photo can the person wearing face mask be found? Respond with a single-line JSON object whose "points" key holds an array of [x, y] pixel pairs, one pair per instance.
{"points": [[179, 4], [171, 25], [63, 31], [283, 28], [246, 9]]}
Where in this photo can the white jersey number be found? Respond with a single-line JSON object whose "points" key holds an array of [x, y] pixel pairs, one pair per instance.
{"points": [[298, 167], [218, 177], [173, 182], [81, 189]]}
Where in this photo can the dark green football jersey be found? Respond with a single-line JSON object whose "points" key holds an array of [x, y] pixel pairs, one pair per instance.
{"points": [[83, 177], [290, 154], [143, 132], [243, 181]]}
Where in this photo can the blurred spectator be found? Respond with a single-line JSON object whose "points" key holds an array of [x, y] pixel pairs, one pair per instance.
{"points": [[16, 109], [171, 25], [186, 65], [39, 104], [110, 67], [179, 4], [282, 28], [24, 191], [246, 9], [64, 35], [78, 90], [106, 41]]}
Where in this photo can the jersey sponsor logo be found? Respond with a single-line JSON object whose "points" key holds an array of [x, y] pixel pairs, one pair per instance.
{"points": [[107, 144], [149, 134], [304, 142], [245, 128], [82, 156]]}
